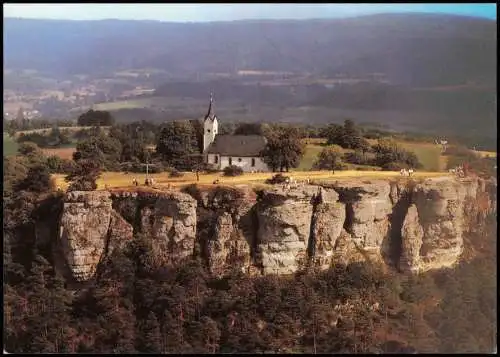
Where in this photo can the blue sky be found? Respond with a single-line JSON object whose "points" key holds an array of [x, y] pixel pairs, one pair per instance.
{"points": [[229, 12]]}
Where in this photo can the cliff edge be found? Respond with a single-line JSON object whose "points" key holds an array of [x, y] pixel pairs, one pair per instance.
{"points": [[413, 226]]}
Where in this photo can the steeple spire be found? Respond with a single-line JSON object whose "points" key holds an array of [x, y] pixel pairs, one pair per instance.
{"points": [[210, 114]]}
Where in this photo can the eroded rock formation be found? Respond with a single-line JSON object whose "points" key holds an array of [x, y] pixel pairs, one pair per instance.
{"points": [[89, 229], [416, 226]]}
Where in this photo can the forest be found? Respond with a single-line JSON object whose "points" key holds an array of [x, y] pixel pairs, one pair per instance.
{"points": [[134, 305]]}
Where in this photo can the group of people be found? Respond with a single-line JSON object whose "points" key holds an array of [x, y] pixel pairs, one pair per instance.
{"points": [[459, 171], [290, 182], [406, 172], [148, 182]]}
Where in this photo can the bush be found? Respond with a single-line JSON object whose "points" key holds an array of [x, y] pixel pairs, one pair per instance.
{"points": [[277, 179], [390, 155], [175, 173], [137, 167], [394, 166], [57, 165], [330, 158], [29, 148], [209, 168], [233, 170], [357, 157], [156, 168]]}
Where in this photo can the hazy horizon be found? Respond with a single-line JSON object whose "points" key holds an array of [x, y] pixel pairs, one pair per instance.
{"points": [[233, 12]]}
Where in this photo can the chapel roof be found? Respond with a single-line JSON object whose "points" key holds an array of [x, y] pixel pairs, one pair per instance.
{"points": [[237, 145]]}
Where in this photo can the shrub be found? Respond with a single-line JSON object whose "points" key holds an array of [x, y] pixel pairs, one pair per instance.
{"points": [[82, 185], [175, 173], [233, 170], [394, 166], [57, 165], [277, 179], [29, 148], [209, 168], [330, 159], [357, 157], [156, 168], [390, 155]]}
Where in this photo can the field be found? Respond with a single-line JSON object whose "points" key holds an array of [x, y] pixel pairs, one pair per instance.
{"points": [[71, 129], [122, 180], [428, 154], [9, 145], [487, 153], [310, 155], [63, 153]]}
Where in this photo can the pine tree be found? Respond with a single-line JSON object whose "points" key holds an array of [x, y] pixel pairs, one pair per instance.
{"points": [[151, 336]]}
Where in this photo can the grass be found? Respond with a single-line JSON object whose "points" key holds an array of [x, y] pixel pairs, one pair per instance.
{"points": [[428, 154], [122, 180], [9, 145], [71, 129], [487, 153], [311, 153]]}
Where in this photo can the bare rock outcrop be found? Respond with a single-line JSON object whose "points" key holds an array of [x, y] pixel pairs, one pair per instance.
{"points": [[440, 206], [228, 248], [225, 226], [368, 207], [119, 233], [87, 222], [171, 223], [328, 221], [279, 230], [411, 241], [284, 219]]}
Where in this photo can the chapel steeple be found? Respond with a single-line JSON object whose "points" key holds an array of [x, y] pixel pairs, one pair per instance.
{"points": [[211, 112], [210, 125]]}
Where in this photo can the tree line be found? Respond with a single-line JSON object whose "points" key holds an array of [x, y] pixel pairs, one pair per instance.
{"points": [[135, 306]]}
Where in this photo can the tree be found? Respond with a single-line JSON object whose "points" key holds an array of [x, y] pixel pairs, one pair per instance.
{"points": [[134, 139], [283, 149], [95, 118], [329, 159], [249, 129], [57, 137], [334, 134], [37, 180], [14, 170], [389, 155], [100, 148], [348, 136], [84, 176], [177, 141], [151, 336], [29, 149], [233, 170]]}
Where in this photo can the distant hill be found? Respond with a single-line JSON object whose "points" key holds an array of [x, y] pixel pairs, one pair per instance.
{"points": [[410, 49]]}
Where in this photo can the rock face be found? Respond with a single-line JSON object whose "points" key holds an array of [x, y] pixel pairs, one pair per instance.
{"points": [[87, 219], [171, 223], [368, 207], [411, 234], [328, 221], [284, 220], [442, 210], [440, 213], [417, 226]]}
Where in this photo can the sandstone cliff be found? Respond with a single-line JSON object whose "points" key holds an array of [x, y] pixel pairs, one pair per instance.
{"points": [[415, 226]]}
